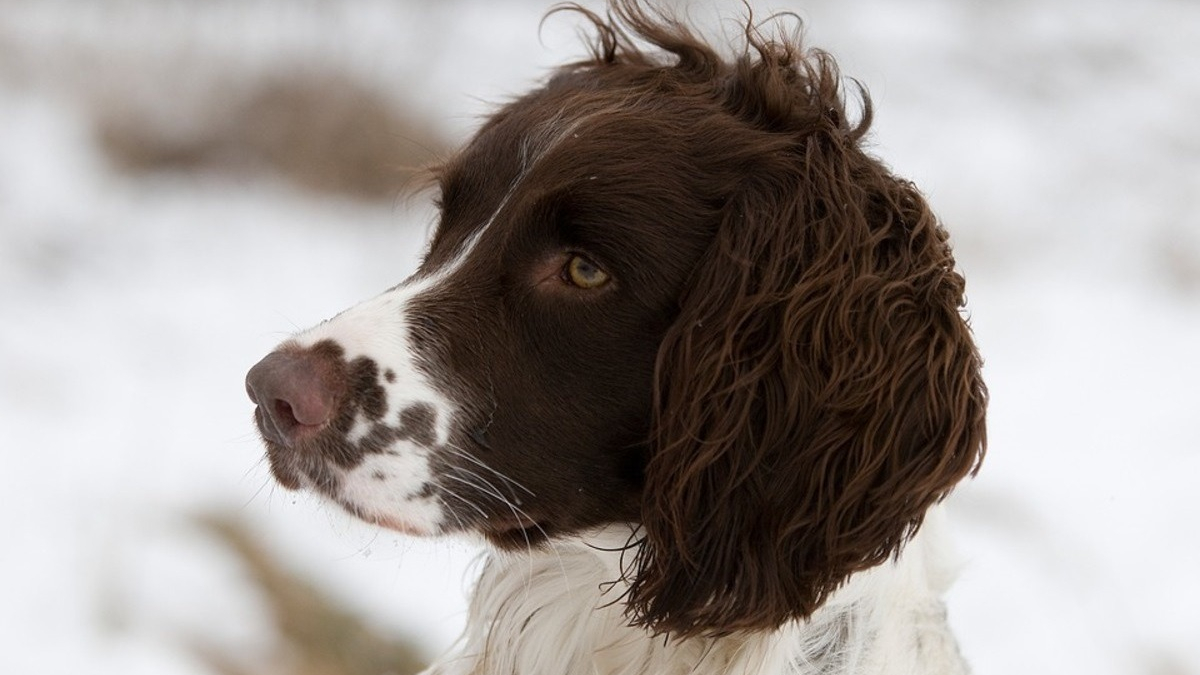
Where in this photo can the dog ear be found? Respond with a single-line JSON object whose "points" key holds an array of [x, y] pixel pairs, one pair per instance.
{"points": [[819, 391]]}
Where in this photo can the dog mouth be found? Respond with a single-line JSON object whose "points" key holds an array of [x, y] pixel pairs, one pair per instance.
{"points": [[297, 470], [514, 531]]}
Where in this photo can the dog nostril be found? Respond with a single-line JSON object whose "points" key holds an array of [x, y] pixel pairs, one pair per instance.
{"points": [[283, 415], [309, 407]]}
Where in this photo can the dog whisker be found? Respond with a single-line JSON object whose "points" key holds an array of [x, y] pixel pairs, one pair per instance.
{"points": [[463, 454]]}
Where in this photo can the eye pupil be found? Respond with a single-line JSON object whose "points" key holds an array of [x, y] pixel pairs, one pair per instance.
{"points": [[584, 273]]}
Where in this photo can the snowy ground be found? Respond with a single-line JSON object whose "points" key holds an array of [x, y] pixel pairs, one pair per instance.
{"points": [[1056, 139]]}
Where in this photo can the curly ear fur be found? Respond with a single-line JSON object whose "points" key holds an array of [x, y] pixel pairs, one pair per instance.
{"points": [[820, 389]]}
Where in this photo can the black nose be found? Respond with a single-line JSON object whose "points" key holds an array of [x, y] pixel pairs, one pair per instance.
{"points": [[297, 394]]}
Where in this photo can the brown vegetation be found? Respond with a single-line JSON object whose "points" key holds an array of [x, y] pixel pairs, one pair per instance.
{"points": [[317, 634], [323, 131]]}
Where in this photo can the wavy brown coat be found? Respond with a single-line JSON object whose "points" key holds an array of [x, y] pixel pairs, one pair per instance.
{"points": [[819, 388]]}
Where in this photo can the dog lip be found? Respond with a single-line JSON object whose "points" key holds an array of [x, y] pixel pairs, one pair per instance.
{"points": [[397, 526], [511, 524], [286, 476], [514, 533], [266, 427], [381, 520], [283, 467]]}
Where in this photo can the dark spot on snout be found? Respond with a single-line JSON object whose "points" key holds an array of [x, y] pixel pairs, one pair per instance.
{"points": [[365, 389], [389, 375], [416, 424], [425, 492]]}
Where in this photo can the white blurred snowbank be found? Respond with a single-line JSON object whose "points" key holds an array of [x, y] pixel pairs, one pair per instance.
{"points": [[1058, 141]]}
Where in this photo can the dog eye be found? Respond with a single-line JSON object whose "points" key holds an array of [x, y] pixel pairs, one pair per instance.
{"points": [[583, 273]]}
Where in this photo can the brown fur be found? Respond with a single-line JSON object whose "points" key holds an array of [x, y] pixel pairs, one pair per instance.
{"points": [[819, 389]]}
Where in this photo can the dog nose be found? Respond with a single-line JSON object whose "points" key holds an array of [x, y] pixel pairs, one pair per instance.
{"points": [[296, 394]]}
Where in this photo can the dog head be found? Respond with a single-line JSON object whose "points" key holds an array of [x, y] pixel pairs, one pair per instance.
{"points": [[665, 289]]}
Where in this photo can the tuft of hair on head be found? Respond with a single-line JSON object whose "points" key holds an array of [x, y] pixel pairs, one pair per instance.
{"points": [[820, 388]]}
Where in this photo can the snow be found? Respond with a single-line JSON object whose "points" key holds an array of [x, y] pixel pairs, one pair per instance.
{"points": [[1056, 139]]}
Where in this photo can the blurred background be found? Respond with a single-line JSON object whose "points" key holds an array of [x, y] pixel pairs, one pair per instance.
{"points": [[182, 184]]}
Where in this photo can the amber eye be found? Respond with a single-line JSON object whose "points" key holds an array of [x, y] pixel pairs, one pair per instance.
{"points": [[584, 273]]}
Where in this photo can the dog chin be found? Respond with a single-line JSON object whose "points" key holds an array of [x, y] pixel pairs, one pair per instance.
{"points": [[389, 522]]}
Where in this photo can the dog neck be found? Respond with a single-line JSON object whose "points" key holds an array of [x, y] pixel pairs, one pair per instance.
{"points": [[558, 610]]}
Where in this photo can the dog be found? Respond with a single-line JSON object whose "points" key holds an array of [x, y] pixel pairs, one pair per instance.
{"points": [[691, 362]]}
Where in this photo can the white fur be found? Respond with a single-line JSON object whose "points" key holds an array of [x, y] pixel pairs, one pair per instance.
{"points": [[376, 329], [557, 611]]}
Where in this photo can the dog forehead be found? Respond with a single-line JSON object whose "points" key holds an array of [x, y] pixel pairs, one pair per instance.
{"points": [[581, 110], [627, 158], [506, 161]]}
